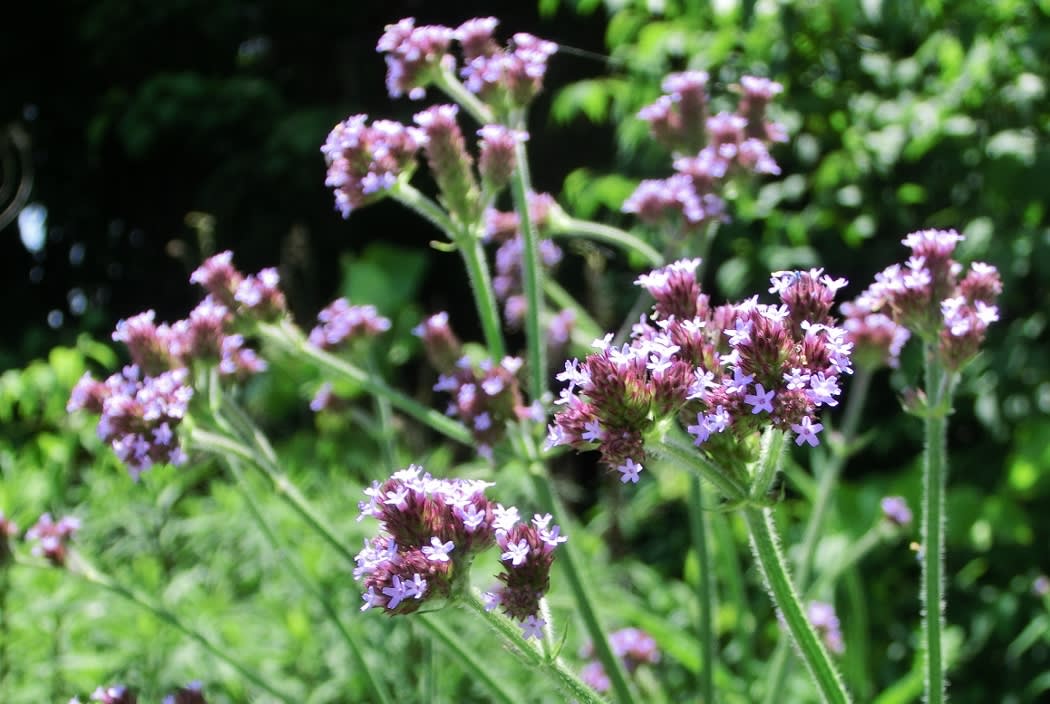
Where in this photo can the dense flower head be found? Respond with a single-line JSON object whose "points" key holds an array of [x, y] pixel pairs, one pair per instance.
{"points": [[485, 396], [261, 294], [342, 323], [927, 296], [412, 53], [365, 160], [115, 694], [496, 158], [219, 277], [440, 343], [727, 371], [148, 344], [511, 76], [877, 339], [450, 164], [822, 616], [895, 510], [140, 416], [51, 538], [507, 281], [431, 530], [231, 294], [707, 149], [633, 646]]}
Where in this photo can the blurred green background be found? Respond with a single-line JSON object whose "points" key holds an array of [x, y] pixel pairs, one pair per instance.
{"points": [[124, 118]]}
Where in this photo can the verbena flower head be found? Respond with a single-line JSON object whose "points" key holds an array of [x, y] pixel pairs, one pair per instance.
{"points": [[727, 371], [139, 414], [258, 296], [707, 149], [365, 160], [341, 324], [219, 278], [877, 339], [261, 295], [497, 159], [52, 539], [822, 616], [927, 296], [431, 530], [503, 77], [412, 54]]}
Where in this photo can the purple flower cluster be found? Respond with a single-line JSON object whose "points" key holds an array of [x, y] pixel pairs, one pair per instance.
{"points": [[707, 148], [497, 158], [364, 161], [822, 616], [484, 395], [731, 369], [431, 530], [341, 324], [929, 295], [193, 693], [633, 646], [505, 77], [877, 339], [138, 414], [52, 539], [142, 406]]}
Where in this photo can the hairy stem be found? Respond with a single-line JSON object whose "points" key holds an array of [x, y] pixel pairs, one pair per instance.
{"points": [[934, 480], [573, 227], [470, 248], [453, 643], [766, 546], [532, 274], [554, 668], [705, 590]]}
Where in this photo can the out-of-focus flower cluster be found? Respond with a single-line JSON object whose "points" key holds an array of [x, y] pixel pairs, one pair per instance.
{"points": [[633, 646], [932, 297], [431, 530], [340, 324], [707, 149], [484, 395], [142, 406], [727, 371], [826, 622], [119, 694], [505, 77], [52, 539], [896, 511]]}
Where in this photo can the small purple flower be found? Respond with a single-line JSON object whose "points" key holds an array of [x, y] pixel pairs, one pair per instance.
{"points": [[806, 431], [516, 552], [629, 471], [438, 551], [895, 510], [761, 400], [822, 616], [532, 627], [52, 539]]}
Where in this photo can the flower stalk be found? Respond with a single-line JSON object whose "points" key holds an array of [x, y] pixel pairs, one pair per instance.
{"points": [[705, 596]]}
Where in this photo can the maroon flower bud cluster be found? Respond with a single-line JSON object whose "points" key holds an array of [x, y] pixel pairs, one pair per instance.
{"points": [[485, 396], [341, 324], [633, 646], [707, 149], [497, 159], [431, 530], [193, 693], [52, 539], [930, 296], [877, 339], [364, 161], [450, 164], [734, 369]]}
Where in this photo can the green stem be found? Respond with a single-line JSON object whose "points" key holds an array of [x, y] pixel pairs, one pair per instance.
{"points": [[446, 80], [535, 344], [832, 467], [557, 670], [705, 590], [79, 567], [567, 226], [430, 211], [569, 561], [473, 253], [379, 690], [453, 643], [386, 423], [934, 479], [676, 449], [291, 339], [5, 585], [765, 543]]}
